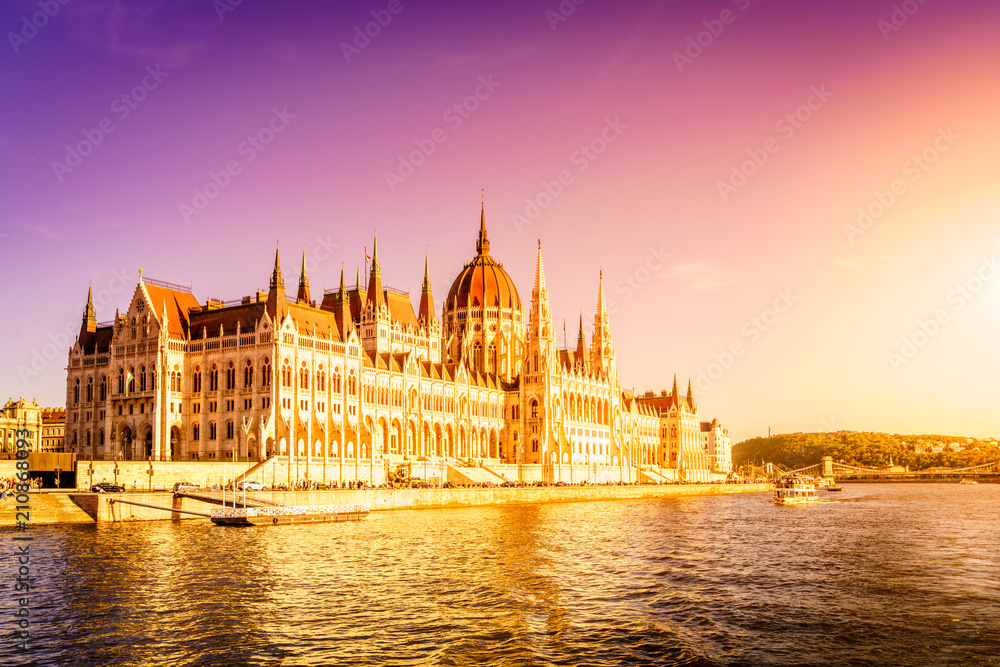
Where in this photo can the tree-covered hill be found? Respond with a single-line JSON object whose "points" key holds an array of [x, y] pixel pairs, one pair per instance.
{"points": [[868, 449]]}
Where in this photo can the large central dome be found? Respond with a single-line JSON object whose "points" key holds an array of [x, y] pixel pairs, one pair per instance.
{"points": [[483, 282]]}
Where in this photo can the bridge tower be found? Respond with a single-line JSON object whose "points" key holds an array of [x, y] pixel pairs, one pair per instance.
{"points": [[827, 466]]}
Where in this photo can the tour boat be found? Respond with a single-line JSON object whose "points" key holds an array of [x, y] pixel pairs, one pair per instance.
{"points": [[794, 491], [966, 480]]}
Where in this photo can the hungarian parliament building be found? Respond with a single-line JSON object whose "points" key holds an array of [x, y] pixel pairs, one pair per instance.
{"points": [[359, 383]]}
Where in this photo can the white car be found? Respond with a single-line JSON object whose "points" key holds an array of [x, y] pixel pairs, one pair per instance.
{"points": [[250, 485]]}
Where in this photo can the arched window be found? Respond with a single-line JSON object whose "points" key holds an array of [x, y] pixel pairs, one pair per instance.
{"points": [[231, 376], [534, 409], [286, 374], [304, 377], [104, 387], [131, 380], [352, 384], [90, 390], [320, 378], [492, 359], [335, 380], [477, 356], [196, 432], [211, 431], [196, 380], [142, 378], [100, 437], [248, 374], [213, 379], [152, 377], [265, 373], [229, 430], [76, 391]]}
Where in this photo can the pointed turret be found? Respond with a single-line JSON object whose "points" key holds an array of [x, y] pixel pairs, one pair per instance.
{"points": [[426, 312], [582, 355], [602, 349], [276, 298], [541, 317], [303, 294], [277, 279], [690, 396], [342, 309], [483, 242], [541, 336], [375, 292], [89, 314]]}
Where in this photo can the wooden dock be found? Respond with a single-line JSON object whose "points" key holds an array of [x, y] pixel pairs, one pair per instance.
{"points": [[266, 516]]}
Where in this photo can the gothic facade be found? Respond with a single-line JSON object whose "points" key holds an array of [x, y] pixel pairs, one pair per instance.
{"points": [[358, 380]]}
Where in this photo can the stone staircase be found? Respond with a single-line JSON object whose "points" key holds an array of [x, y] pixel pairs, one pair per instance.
{"points": [[465, 474], [254, 468]]}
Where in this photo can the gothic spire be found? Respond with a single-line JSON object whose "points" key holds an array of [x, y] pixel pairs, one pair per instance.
{"points": [[540, 323], [276, 298], [375, 292], [690, 396], [539, 273], [303, 295], [603, 351], [483, 242], [581, 344], [342, 312], [277, 280], [89, 314], [426, 298]]}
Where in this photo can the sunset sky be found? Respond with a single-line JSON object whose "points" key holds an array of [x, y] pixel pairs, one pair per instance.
{"points": [[714, 159]]}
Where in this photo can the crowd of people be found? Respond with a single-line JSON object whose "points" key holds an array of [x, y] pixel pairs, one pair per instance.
{"points": [[8, 486]]}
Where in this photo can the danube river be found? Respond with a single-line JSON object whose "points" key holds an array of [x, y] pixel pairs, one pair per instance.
{"points": [[880, 574]]}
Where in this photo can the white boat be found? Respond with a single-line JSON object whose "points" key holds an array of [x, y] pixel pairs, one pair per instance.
{"points": [[967, 480], [794, 491]]}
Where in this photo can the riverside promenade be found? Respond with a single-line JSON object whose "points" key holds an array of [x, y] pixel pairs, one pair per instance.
{"points": [[50, 507]]}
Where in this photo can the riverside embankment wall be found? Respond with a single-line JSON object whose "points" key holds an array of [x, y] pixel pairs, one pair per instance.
{"points": [[47, 508]]}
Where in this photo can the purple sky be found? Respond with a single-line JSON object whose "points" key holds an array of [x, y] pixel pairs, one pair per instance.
{"points": [[887, 324]]}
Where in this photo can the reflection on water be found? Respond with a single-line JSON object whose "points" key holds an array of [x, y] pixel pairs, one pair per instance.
{"points": [[883, 574]]}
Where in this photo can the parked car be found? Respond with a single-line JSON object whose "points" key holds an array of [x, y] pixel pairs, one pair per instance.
{"points": [[107, 487], [250, 485], [185, 486]]}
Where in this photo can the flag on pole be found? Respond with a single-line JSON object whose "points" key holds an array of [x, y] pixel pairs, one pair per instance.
{"points": [[129, 378], [367, 256]]}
